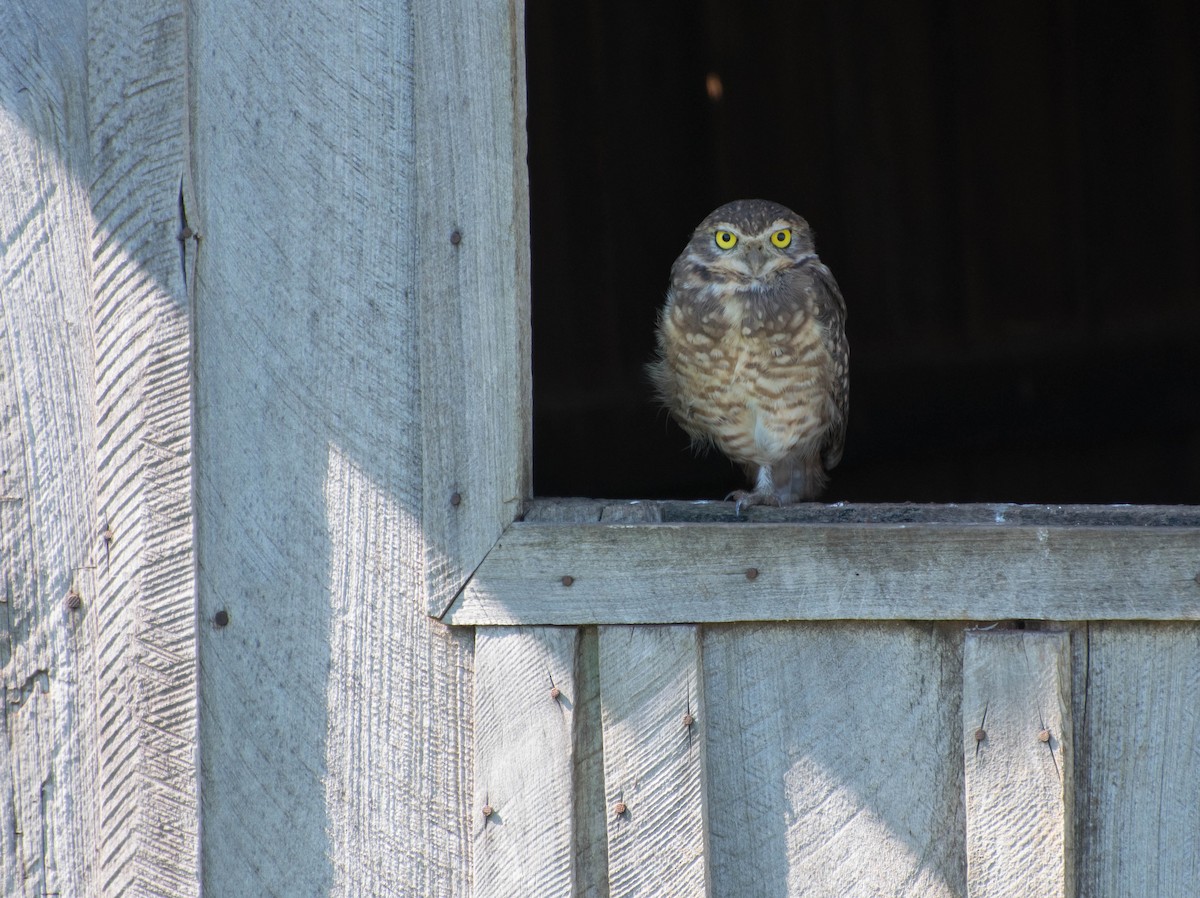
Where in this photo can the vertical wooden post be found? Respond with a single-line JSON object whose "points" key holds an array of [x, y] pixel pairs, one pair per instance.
{"points": [[524, 763], [653, 715], [1018, 764], [98, 764], [1139, 781], [471, 230], [145, 608]]}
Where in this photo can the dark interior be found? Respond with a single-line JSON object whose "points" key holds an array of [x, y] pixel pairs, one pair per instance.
{"points": [[1007, 195]]}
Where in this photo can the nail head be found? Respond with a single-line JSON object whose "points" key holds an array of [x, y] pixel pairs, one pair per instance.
{"points": [[456, 237], [619, 808], [221, 618], [74, 600], [688, 720], [751, 573], [980, 735], [456, 499], [488, 810], [555, 692], [1044, 736], [568, 580]]}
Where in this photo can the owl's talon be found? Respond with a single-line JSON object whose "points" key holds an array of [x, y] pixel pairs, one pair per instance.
{"points": [[742, 498]]}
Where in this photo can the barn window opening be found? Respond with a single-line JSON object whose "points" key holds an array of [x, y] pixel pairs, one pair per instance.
{"points": [[1008, 198]]}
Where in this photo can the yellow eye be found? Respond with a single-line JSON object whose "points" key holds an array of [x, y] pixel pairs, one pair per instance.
{"points": [[782, 238], [726, 240]]}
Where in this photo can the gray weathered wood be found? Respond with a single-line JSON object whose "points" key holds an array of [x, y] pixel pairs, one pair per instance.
{"points": [[1139, 793], [472, 280], [651, 688], [49, 806], [631, 513], [524, 762], [99, 759], [679, 573], [565, 511], [1018, 759], [591, 814], [145, 609], [959, 514], [833, 759], [335, 715]]}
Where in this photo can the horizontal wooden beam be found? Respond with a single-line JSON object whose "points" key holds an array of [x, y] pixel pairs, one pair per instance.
{"points": [[569, 574]]}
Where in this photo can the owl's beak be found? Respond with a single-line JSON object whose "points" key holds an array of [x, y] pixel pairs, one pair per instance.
{"points": [[756, 258]]}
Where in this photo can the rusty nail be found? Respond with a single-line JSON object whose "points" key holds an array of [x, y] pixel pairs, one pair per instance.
{"points": [[456, 237], [567, 580], [74, 600], [488, 810], [751, 573], [980, 735], [555, 692], [1044, 736], [619, 809], [221, 618], [456, 499], [688, 720]]}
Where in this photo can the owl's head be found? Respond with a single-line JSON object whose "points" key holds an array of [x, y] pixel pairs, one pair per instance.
{"points": [[750, 240]]}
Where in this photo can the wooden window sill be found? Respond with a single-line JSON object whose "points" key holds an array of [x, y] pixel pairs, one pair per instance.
{"points": [[582, 562]]}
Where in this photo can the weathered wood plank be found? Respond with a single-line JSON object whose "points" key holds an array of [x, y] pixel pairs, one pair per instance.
{"points": [[910, 513], [396, 679], [565, 511], [651, 688], [634, 512], [472, 265], [335, 715], [524, 762], [591, 815], [49, 791], [680, 573], [833, 759], [1139, 793], [145, 609], [1018, 760]]}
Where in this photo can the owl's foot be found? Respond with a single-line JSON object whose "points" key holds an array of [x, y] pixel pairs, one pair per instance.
{"points": [[743, 499]]}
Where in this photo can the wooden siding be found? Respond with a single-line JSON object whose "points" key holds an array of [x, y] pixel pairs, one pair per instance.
{"points": [[825, 755], [98, 767], [304, 232]]}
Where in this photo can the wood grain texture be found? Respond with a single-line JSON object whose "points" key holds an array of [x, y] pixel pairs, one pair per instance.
{"points": [[654, 761], [1139, 795], [591, 811], [397, 755], [970, 513], [1020, 769], [335, 715], [472, 264], [679, 573], [49, 794], [524, 761], [145, 609], [833, 759]]}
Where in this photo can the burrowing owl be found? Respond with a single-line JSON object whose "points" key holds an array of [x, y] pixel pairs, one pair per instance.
{"points": [[752, 351]]}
